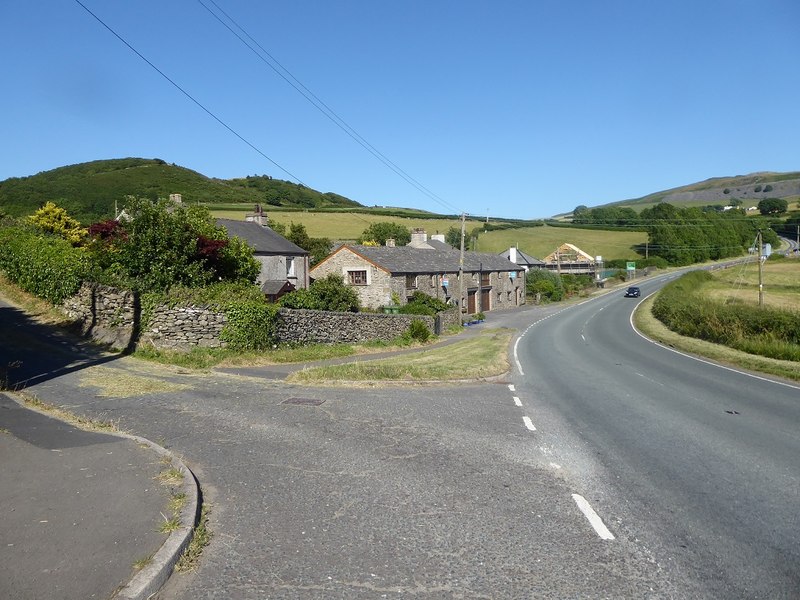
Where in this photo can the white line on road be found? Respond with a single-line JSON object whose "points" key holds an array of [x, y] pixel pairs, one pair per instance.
{"points": [[594, 520], [511, 387], [516, 356], [517, 401], [529, 423]]}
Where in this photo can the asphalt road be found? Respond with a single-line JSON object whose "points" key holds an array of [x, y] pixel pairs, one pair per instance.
{"points": [[698, 462], [438, 492], [450, 492]]}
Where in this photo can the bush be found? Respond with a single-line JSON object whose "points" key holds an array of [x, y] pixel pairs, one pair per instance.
{"points": [[329, 293], [760, 330], [418, 331], [546, 284], [251, 325], [423, 304], [47, 266]]}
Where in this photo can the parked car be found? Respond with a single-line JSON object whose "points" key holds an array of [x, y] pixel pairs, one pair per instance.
{"points": [[633, 292]]}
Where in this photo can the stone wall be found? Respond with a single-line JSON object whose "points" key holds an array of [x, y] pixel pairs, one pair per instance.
{"points": [[107, 315], [323, 327], [112, 317], [184, 327]]}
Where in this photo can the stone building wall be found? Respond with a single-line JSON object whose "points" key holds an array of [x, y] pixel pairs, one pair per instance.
{"points": [[379, 288]]}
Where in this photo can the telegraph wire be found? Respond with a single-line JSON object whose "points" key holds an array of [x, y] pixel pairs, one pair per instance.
{"points": [[187, 94], [315, 101]]}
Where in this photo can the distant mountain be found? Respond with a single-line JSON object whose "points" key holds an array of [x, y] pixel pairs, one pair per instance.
{"points": [[88, 191], [720, 190]]}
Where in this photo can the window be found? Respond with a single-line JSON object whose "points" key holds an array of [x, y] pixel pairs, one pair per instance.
{"points": [[357, 277], [411, 282], [289, 266]]}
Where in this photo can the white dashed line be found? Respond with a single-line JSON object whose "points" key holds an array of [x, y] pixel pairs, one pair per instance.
{"points": [[517, 401], [594, 520], [511, 387], [529, 423]]}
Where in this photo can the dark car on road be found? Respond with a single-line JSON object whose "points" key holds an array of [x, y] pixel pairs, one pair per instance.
{"points": [[633, 292]]}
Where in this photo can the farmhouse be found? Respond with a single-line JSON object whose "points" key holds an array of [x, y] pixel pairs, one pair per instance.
{"points": [[284, 265], [386, 275]]}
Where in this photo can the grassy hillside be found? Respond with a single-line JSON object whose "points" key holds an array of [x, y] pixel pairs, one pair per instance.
{"points": [[720, 190], [88, 190]]}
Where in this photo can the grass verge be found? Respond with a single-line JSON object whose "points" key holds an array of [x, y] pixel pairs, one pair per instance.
{"points": [[485, 355], [71, 418], [653, 328], [201, 538]]}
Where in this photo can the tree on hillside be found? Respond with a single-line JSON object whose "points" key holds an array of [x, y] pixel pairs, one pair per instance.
{"points": [[773, 206], [380, 232]]}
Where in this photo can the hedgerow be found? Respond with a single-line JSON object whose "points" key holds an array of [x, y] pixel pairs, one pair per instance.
{"points": [[765, 331], [47, 266]]}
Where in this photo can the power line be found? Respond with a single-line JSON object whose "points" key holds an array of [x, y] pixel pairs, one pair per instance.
{"points": [[188, 95], [315, 101]]}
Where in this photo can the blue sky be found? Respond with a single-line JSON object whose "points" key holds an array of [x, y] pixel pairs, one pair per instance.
{"points": [[521, 109]]}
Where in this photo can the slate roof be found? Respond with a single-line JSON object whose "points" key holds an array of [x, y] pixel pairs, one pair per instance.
{"points": [[440, 258], [524, 259], [273, 287], [263, 239]]}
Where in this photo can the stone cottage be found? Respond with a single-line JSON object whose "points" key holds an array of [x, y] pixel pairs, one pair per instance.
{"points": [[384, 275]]}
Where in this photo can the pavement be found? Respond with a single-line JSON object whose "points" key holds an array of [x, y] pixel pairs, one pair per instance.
{"points": [[81, 510]]}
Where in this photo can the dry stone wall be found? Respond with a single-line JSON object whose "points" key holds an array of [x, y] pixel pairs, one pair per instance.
{"points": [[112, 317], [323, 327], [184, 327]]}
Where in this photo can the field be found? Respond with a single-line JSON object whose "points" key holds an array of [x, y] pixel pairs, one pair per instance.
{"points": [[535, 241], [781, 281], [541, 241]]}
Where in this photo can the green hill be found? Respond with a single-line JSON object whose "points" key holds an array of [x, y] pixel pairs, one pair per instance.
{"points": [[88, 191], [720, 190]]}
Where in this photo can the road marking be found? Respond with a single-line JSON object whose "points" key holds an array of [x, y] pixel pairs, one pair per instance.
{"points": [[517, 401], [594, 520], [516, 356], [707, 362], [529, 423], [555, 465], [511, 387]]}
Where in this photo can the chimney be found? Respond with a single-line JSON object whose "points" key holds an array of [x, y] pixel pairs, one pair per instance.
{"points": [[390, 242], [512, 255], [439, 237], [419, 239]]}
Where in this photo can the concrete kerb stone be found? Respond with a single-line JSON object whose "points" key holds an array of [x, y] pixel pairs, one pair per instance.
{"points": [[152, 577]]}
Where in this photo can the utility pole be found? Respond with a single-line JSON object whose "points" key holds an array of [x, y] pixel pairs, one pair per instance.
{"points": [[760, 271], [461, 267]]}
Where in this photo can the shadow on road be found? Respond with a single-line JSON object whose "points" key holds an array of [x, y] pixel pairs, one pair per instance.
{"points": [[32, 353]]}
